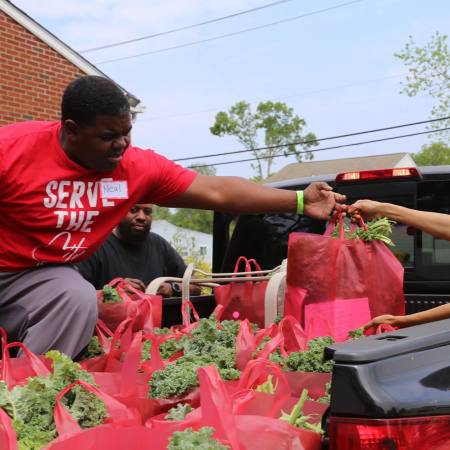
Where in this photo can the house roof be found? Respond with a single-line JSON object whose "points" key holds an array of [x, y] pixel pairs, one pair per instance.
{"points": [[317, 168], [59, 46]]}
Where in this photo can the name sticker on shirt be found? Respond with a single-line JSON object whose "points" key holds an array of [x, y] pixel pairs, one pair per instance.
{"points": [[113, 189]]}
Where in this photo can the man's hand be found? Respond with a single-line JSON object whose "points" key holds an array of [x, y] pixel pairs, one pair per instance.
{"points": [[367, 209], [137, 284], [319, 200], [165, 290]]}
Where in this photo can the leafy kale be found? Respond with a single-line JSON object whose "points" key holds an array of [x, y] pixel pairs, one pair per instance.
{"points": [[179, 412], [195, 440], [92, 350], [31, 406], [110, 295], [311, 360], [356, 334], [210, 342]]}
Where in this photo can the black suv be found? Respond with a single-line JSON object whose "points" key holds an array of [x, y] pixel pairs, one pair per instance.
{"points": [[426, 259]]}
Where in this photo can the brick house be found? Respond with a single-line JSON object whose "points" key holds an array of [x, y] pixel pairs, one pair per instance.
{"points": [[35, 67]]}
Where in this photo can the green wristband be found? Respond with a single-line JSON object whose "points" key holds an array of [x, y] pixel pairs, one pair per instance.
{"points": [[300, 203]]}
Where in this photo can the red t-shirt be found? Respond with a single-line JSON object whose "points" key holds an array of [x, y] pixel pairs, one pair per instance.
{"points": [[53, 210]]}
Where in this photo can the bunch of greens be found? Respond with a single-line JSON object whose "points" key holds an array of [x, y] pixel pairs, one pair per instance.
{"points": [[296, 417], [210, 342], [376, 230], [327, 397], [195, 440], [110, 294], [311, 360], [92, 350], [31, 406], [179, 412], [166, 348], [356, 334]]}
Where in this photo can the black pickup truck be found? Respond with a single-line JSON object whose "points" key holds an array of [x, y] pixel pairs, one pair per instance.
{"points": [[391, 391]]}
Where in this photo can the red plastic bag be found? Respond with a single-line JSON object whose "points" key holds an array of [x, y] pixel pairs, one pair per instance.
{"points": [[15, 371], [331, 277], [145, 309], [244, 299], [121, 431], [247, 432], [129, 386]]}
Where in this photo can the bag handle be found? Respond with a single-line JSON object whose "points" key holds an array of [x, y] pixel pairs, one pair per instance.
{"points": [[122, 335], [66, 425], [6, 424], [257, 372], [245, 344], [294, 336], [186, 313], [217, 406], [39, 368]]}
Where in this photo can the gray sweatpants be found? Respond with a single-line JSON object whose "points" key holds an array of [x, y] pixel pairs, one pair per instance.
{"points": [[54, 307]]}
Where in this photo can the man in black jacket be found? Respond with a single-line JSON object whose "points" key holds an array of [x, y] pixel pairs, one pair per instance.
{"points": [[136, 254]]}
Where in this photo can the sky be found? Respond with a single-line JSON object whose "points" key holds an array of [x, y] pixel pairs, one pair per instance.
{"points": [[336, 68]]}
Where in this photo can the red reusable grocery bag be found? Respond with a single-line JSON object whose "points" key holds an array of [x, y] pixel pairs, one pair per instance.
{"points": [[15, 371], [115, 434], [331, 278], [243, 299], [146, 309]]}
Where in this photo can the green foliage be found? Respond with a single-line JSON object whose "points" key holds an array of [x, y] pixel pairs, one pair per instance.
{"points": [[110, 295], [327, 397], [356, 334], [195, 440], [280, 126], [210, 342], [429, 72], [296, 417], [435, 154], [92, 350], [179, 412], [311, 360], [377, 230], [31, 406]]}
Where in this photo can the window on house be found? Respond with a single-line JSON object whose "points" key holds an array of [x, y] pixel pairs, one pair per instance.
{"points": [[203, 250]]}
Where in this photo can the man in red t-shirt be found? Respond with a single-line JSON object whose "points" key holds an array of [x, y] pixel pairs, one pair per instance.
{"points": [[65, 185]]}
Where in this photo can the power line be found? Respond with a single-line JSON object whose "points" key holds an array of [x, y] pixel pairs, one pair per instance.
{"points": [[326, 148], [186, 27], [283, 97], [215, 38], [312, 141]]}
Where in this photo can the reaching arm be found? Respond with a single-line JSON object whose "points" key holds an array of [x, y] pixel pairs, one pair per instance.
{"points": [[436, 224], [438, 313], [238, 195]]}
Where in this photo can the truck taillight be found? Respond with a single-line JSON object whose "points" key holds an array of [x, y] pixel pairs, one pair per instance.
{"points": [[371, 175], [416, 433]]}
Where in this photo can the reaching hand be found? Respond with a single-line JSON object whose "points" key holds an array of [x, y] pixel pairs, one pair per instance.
{"points": [[319, 200], [136, 283], [395, 321], [367, 209], [165, 290]]}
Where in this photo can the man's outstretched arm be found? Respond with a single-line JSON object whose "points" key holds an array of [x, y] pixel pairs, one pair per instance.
{"points": [[238, 195]]}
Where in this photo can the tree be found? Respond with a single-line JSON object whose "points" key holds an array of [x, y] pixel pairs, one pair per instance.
{"points": [[280, 126], [435, 154], [429, 72]]}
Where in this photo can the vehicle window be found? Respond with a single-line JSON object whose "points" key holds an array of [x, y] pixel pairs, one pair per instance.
{"points": [[404, 244], [434, 196], [264, 237]]}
